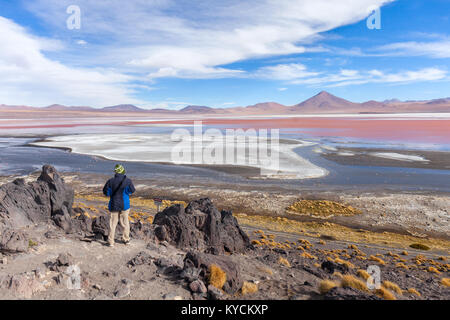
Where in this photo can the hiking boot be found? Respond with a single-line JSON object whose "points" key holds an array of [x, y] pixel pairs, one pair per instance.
{"points": [[126, 242], [111, 245]]}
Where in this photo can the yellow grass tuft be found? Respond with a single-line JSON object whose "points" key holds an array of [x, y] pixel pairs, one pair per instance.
{"points": [[256, 242], [322, 242], [326, 285], [348, 264], [393, 287], [414, 291], [217, 277], [305, 242], [419, 246], [284, 262], [337, 274], [433, 270], [442, 258], [308, 256], [317, 265], [385, 294], [353, 282], [401, 266], [404, 252], [249, 288], [376, 259], [363, 274], [445, 282]]}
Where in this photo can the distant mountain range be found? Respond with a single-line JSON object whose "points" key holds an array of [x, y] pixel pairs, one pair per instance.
{"points": [[322, 103]]}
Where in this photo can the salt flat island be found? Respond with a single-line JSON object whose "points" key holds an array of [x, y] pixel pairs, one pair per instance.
{"points": [[272, 159]]}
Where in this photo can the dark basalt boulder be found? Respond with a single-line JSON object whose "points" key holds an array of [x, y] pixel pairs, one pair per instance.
{"points": [[23, 204], [99, 226], [201, 227], [203, 261]]}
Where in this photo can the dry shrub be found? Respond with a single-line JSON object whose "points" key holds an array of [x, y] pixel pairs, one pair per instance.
{"points": [[433, 270], [401, 266], [256, 242], [308, 256], [353, 282], [363, 274], [305, 242], [348, 264], [445, 282], [393, 287], [385, 294], [419, 246], [376, 259], [284, 262], [327, 285], [414, 291], [249, 287], [217, 277]]}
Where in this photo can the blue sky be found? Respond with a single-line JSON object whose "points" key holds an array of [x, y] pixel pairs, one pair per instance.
{"points": [[173, 53]]}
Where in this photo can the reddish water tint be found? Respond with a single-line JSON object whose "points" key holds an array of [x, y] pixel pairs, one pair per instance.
{"points": [[408, 130], [431, 131]]}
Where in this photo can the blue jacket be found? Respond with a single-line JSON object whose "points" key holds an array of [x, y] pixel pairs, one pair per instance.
{"points": [[122, 187]]}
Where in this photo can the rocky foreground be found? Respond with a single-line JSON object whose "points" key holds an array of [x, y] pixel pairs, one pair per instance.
{"points": [[51, 249]]}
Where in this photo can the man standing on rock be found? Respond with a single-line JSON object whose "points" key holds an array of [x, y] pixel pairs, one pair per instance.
{"points": [[119, 188]]}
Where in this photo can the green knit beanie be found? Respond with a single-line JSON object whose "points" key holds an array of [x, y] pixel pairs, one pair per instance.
{"points": [[119, 169]]}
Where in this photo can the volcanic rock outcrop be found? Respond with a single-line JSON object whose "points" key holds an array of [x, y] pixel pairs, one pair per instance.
{"points": [[23, 204], [201, 227], [203, 262]]}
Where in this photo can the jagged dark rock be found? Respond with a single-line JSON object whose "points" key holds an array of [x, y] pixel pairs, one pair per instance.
{"points": [[82, 223], [100, 227], [201, 227], [65, 259], [330, 267], [203, 261], [141, 259], [143, 231], [63, 220], [23, 204]]}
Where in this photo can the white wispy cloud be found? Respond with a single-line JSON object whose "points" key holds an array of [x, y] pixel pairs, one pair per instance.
{"points": [[347, 77], [29, 77], [148, 40], [433, 49], [284, 72], [195, 39]]}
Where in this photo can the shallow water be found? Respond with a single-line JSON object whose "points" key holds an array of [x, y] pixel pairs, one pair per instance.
{"points": [[18, 159]]}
